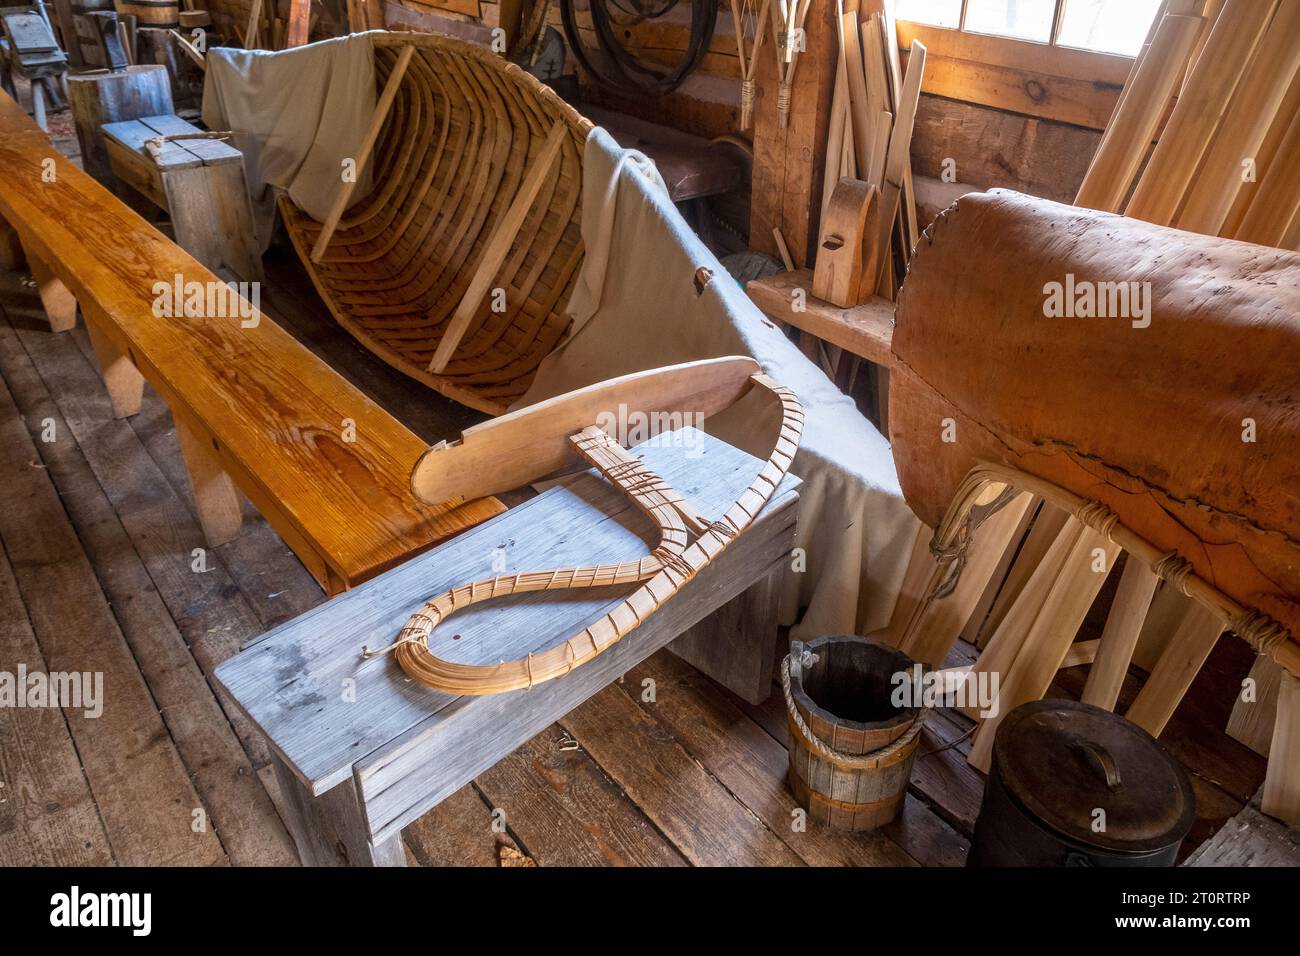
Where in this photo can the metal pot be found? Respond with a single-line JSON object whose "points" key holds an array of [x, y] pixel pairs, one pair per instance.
{"points": [[1075, 785]]}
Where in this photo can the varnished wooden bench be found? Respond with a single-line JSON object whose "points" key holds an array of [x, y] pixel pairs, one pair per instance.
{"points": [[361, 751], [254, 409]]}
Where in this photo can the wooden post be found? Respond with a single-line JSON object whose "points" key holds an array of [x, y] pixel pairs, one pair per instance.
{"points": [[215, 498], [122, 379], [789, 164], [1282, 782], [99, 98], [329, 829], [59, 302], [299, 23]]}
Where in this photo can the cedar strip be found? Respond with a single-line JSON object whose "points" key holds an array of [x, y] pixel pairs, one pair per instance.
{"points": [[363, 153]]}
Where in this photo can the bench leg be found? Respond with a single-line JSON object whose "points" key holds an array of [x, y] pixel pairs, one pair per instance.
{"points": [[59, 302], [212, 219], [735, 645], [12, 258], [122, 379], [330, 830], [215, 495]]}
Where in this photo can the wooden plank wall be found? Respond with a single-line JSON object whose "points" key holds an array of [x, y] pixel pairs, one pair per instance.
{"points": [[707, 104]]}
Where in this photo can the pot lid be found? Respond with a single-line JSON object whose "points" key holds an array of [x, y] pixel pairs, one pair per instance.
{"points": [[1093, 776]]}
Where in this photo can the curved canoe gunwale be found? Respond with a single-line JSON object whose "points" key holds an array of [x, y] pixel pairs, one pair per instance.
{"points": [[463, 133]]}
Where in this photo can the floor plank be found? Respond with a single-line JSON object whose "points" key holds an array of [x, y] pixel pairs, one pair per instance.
{"points": [[206, 606], [47, 812], [249, 827], [567, 812], [140, 784], [748, 762], [705, 821]]}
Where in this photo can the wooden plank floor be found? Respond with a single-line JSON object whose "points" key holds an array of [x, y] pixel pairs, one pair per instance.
{"points": [[103, 568]]}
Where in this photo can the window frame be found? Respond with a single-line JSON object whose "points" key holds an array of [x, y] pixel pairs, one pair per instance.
{"points": [[1037, 78], [1053, 38]]}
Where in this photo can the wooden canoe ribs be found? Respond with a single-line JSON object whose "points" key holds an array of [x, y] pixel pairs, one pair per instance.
{"points": [[457, 268], [537, 440]]}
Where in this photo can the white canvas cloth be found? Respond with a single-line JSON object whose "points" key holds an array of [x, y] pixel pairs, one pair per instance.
{"points": [[636, 307], [296, 115]]}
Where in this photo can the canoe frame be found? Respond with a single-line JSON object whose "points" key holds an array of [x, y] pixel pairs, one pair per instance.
{"points": [[440, 248]]}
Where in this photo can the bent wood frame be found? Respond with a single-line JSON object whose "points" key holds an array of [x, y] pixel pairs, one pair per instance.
{"points": [[672, 563], [477, 172], [1262, 632], [1187, 650]]}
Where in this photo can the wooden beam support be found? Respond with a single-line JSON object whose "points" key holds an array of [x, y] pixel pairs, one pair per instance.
{"points": [[498, 245], [216, 501], [299, 23], [789, 164], [363, 153]]}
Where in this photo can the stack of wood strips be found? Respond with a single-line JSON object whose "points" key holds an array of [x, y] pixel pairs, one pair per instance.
{"points": [[872, 113], [1226, 155]]}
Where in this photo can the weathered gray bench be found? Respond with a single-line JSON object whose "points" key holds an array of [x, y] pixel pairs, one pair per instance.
{"points": [[361, 751]]}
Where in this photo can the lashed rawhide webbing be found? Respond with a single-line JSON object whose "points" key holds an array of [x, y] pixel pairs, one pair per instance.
{"points": [[955, 552], [670, 565]]}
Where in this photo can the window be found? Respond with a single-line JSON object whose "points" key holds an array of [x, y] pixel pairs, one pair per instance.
{"points": [[1105, 26]]}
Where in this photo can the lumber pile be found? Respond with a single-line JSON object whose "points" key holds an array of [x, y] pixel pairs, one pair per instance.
{"points": [[1206, 135], [872, 113]]}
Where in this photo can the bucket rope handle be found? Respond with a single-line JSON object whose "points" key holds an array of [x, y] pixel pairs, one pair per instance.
{"points": [[866, 761]]}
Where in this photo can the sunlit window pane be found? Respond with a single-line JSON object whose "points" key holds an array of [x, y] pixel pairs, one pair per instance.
{"points": [[1023, 19], [940, 13], [1109, 26]]}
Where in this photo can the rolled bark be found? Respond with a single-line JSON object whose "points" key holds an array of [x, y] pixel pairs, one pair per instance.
{"points": [[1185, 423]]}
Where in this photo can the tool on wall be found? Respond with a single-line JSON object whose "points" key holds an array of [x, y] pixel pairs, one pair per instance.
{"points": [[611, 65], [743, 12]]}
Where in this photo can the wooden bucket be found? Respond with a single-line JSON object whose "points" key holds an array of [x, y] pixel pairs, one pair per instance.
{"points": [[151, 13], [851, 749]]}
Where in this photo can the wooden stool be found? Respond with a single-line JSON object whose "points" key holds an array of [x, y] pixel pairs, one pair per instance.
{"points": [[199, 182], [30, 48], [99, 98]]}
